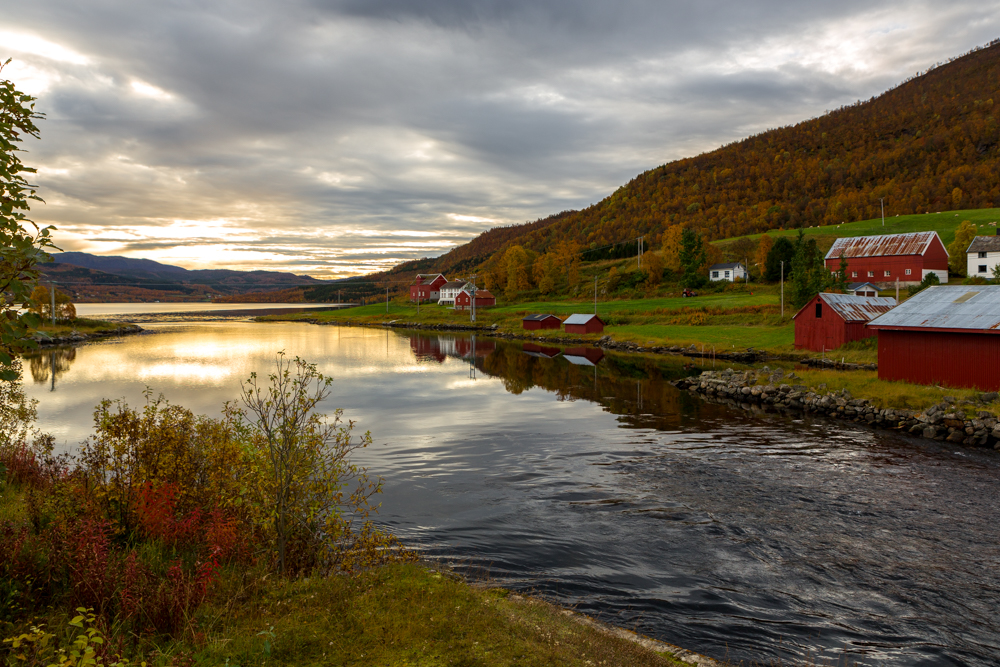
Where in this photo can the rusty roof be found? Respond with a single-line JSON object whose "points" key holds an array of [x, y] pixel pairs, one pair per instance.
{"points": [[985, 244], [971, 307], [882, 245], [855, 308]]}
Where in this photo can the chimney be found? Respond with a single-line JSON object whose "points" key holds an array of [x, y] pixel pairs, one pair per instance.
{"points": [[998, 230]]}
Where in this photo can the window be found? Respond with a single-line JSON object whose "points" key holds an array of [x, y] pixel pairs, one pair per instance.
{"points": [[854, 274], [819, 309], [886, 274], [982, 268], [982, 255], [727, 274], [715, 274], [871, 274], [909, 271]]}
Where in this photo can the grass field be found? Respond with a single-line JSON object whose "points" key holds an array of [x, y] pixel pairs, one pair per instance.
{"points": [[944, 223]]}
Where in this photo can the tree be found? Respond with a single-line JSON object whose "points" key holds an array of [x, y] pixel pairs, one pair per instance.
{"points": [[653, 264], [996, 274], [692, 257], [809, 272], [303, 458], [516, 263], [550, 274], [782, 250], [957, 259], [672, 247], [838, 279], [21, 247], [929, 280], [42, 304], [760, 257]]}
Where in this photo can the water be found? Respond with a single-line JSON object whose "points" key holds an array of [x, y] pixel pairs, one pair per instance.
{"points": [[134, 312], [603, 487]]}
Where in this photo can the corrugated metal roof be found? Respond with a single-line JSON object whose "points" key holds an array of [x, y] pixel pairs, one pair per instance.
{"points": [[730, 265], [537, 317], [858, 308], [576, 318], [972, 307], [856, 286], [883, 245], [985, 244]]}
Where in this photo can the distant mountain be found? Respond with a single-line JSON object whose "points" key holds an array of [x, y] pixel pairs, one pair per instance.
{"points": [[930, 144], [88, 277]]}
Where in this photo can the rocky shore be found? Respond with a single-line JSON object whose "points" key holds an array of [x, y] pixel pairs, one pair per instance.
{"points": [[76, 337], [753, 390]]}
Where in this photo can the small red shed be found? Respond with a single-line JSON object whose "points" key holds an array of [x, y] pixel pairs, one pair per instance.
{"points": [[885, 258], [484, 299], [830, 320], [947, 335], [540, 321], [427, 287], [583, 324]]}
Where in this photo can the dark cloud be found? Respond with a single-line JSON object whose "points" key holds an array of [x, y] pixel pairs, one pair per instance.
{"points": [[309, 131]]}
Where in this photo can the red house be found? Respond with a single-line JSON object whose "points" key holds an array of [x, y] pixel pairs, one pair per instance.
{"points": [[484, 299], [947, 335], [883, 259], [540, 321], [583, 324], [830, 320], [427, 287]]}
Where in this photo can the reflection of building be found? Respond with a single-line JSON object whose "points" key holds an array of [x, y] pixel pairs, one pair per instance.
{"points": [[438, 348], [583, 356], [533, 350]]}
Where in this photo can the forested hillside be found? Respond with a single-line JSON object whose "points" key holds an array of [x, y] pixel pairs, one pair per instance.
{"points": [[930, 144]]}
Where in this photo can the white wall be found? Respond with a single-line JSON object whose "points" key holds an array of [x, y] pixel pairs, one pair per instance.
{"points": [[974, 262]]}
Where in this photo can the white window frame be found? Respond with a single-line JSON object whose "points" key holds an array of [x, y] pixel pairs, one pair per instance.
{"points": [[909, 271], [871, 274], [887, 274], [854, 274]]}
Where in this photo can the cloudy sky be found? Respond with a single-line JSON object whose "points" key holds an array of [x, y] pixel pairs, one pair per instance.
{"points": [[336, 137]]}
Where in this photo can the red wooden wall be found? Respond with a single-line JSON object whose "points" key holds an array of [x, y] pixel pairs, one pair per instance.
{"points": [[946, 358]]}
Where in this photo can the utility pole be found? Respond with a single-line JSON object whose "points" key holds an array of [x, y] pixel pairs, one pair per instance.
{"points": [[782, 289], [52, 307], [881, 200], [595, 295], [387, 299]]}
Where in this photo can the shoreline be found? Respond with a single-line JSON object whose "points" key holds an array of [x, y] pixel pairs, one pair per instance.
{"points": [[76, 338]]}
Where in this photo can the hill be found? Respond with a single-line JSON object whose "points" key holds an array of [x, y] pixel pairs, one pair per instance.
{"points": [[930, 144], [99, 278]]}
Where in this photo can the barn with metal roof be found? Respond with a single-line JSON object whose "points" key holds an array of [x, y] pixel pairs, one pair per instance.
{"points": [[947, 335], [830, 320], [583, 324], [886, 258]]}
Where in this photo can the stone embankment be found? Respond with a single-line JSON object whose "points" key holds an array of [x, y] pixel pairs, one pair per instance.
{"points": [[837, 365], [76, 337], [765, 388]]}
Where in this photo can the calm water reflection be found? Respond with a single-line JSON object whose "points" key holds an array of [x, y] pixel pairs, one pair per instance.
{"points": [[590, 479]]}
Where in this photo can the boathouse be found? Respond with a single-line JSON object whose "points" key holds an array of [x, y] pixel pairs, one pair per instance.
{"points": [[583, 324], [540, 321], [946, 335], [830, 320], [885, 258]]}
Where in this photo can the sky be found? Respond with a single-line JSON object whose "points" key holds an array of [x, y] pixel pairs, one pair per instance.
{"points": [[339, 137]]}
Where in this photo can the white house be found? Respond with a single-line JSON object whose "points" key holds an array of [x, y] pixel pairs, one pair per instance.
{"points": [[732, 272], [449, 291], [983, 255]]}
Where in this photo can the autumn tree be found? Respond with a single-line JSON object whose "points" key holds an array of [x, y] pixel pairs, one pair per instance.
{"points": [[42, 304], [652, 263], [516, 262], [672, 248], [760, 256], [550, 274], [809, 272], [22, 242], [957, 258]]}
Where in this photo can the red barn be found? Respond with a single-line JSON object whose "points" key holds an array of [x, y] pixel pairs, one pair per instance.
{"points": [[947, 335], [540, 321], [830, 320], [584, 324], [484, 299], [882, 259], [427, 287]]}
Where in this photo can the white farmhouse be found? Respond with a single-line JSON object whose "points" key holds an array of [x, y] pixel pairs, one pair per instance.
{"points": [[449, 291], [983, 255], [731, 272]]}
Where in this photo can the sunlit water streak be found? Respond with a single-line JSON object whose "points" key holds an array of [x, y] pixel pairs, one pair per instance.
{"points": [[752, 537]]}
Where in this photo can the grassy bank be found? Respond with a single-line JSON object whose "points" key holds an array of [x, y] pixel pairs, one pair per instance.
{"points": [[79, 325]]}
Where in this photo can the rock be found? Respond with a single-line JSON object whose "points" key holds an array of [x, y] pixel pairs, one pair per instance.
{"points": [[989, 397], [956, 436], [917, 428], [930, 432]]}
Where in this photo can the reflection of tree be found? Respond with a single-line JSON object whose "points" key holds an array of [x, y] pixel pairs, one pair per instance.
{"points": [[43, 364]]}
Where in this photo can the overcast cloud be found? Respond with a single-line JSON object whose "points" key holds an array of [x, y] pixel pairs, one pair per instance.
{"points": [[337, 137]]}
